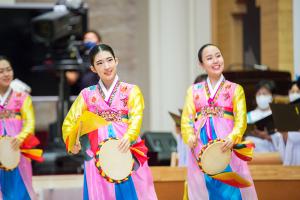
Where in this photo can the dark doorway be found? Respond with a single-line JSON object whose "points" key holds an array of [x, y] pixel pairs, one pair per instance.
{"points": [[251, 35]]}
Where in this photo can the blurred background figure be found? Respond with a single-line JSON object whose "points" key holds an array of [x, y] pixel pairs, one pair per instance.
{"points": [[294, 92], [84, 78], [20, 86], [264, 134], [182, 148], [200, 78], [260, 117], [289, 142]]}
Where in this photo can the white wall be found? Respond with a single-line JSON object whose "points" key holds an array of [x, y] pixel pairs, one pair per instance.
{"points": [[296, 22], [7, 1], [177, 29]]}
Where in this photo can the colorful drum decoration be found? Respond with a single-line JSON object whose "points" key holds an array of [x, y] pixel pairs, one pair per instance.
{"points": [[114, 165], [9, 158], [212, 160]]}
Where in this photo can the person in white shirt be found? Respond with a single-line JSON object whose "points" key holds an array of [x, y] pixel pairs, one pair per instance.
{"points": [[289, 143], [294, 92], [286, 143], [264, 96]]}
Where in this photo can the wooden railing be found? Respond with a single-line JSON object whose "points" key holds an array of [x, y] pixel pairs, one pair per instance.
{"points": [[274, 182]]}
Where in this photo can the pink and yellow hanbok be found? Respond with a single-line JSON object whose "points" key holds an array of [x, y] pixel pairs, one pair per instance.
{"points": [[212, 113], [17, 120], [122, 107]]}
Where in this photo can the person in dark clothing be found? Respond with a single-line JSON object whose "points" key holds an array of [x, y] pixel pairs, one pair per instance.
{"points": [[84, 78]]}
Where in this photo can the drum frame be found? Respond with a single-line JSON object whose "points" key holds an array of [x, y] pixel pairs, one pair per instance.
{"points": [[202, 151], [98, 164], [2, 166]]}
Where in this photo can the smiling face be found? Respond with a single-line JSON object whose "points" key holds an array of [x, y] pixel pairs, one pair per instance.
{"points": [[212, 62], [105, 65], [6, 74]]}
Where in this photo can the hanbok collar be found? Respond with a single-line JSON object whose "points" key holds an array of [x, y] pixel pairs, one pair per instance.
{"points": [[5, 96], [213, 91], [107, 93]]}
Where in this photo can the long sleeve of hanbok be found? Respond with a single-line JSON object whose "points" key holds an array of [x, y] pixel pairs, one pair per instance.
{"points": [[27, 115], [135, 113], [240, 115], [69, 124], [188, 116]]}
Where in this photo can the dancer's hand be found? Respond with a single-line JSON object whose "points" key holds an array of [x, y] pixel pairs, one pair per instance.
{"points": [[228, 144], [192, 142], [124, 144], [15, 143], [76, 148]]}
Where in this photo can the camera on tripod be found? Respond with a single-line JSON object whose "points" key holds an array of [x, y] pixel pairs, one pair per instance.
{"points": [[60, 30]]}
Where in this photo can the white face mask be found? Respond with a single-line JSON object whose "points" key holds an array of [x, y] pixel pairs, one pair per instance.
{"points": [[294, 96], [263, 101]]}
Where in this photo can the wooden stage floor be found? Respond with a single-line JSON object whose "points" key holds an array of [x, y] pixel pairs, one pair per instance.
{"points": [[271, 181]]}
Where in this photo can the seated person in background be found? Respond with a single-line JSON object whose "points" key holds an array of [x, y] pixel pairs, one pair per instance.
{"points": [[261, 136], [286, 143], [181, 147], [85, 78], [294, 92], [289, 143], [200, 78]]}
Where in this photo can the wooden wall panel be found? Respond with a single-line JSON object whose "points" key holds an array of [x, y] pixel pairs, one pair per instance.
{"points": [[276, 32]]}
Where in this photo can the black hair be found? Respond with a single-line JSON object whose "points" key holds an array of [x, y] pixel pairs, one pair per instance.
{"points": [[98, 48], [268, 84], [200, 52], [3, 58], [99, 37], [200, 78], [295, 82]]}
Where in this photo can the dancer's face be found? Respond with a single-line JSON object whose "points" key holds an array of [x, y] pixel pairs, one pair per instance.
{"points": [[213, 62], [6, 74], [105, 65]]}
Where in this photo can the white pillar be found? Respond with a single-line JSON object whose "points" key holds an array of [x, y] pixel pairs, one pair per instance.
{"points": [[177, 28], [296, 27]]}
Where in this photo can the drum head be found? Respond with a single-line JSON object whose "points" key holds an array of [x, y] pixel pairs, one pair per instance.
{"points": [[115, 164], [213, 160], [9, 158]]}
